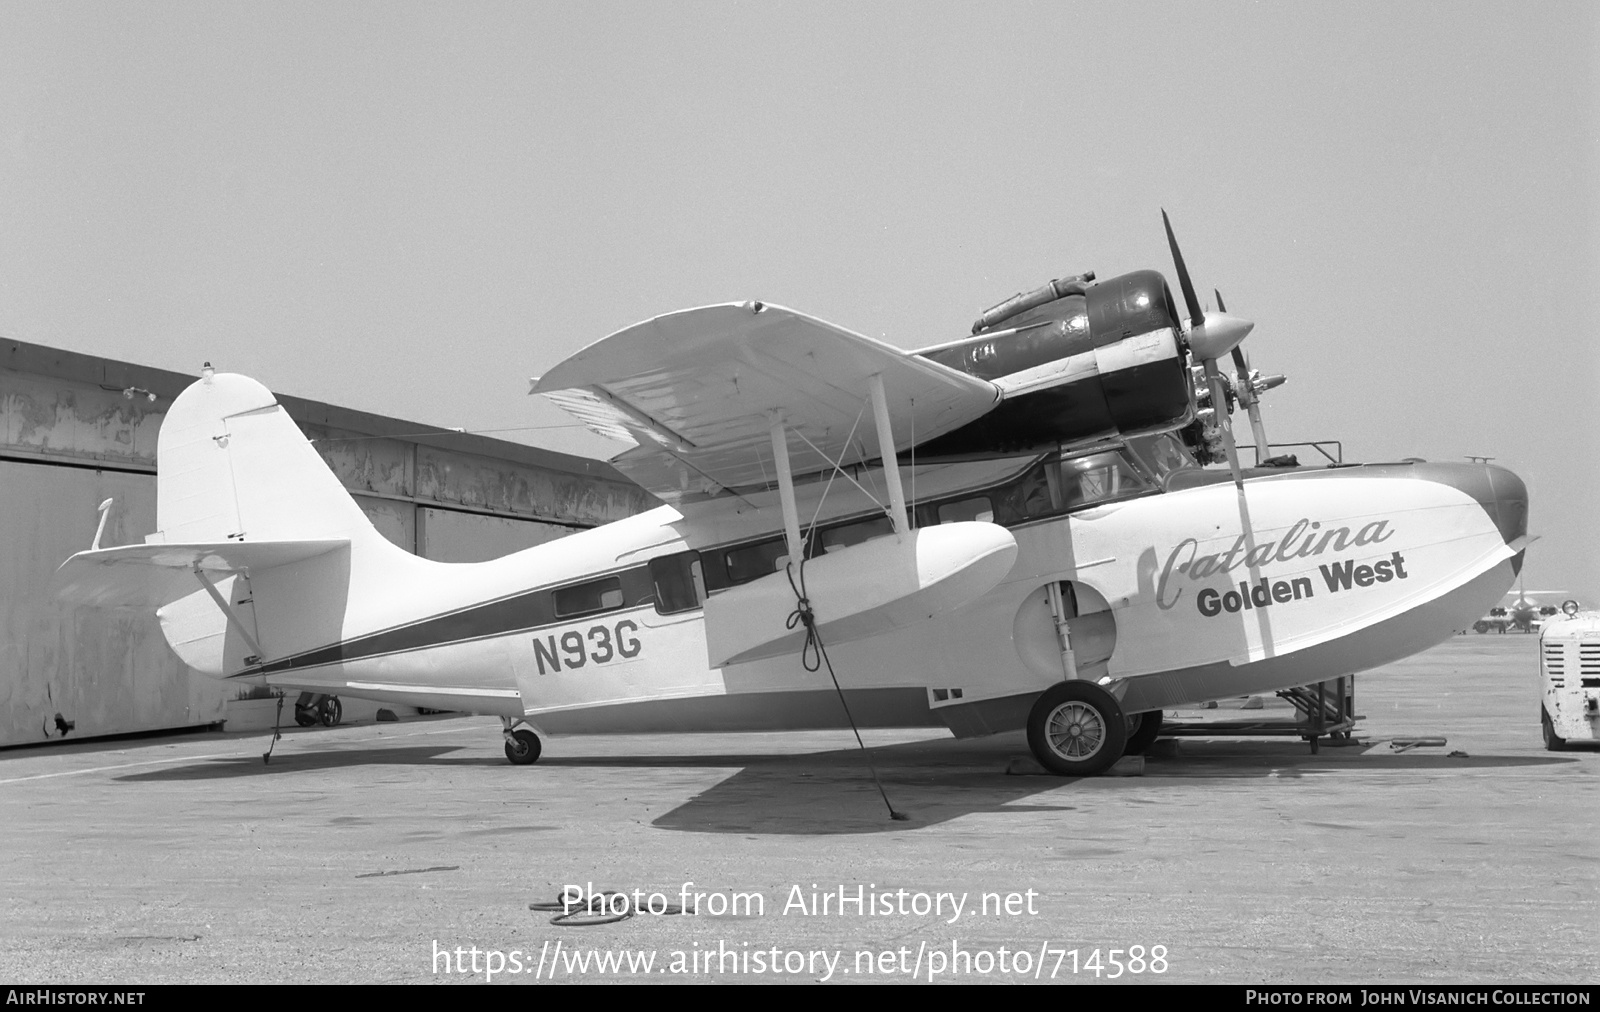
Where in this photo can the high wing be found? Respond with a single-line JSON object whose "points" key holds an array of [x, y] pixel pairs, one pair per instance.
{"points": [[698, 392]]}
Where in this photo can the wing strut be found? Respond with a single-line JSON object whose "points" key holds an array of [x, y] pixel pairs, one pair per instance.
{"points": [[791, 513], [891, 466]]}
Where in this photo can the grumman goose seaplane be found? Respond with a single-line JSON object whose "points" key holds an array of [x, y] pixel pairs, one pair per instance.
{"points": [[1011, 530]]}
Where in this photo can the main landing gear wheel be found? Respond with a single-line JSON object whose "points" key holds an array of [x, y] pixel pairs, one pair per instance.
{"points": [[1142, 731], [523, 748], [1552, 741], [1077, 729], [332, 711]]}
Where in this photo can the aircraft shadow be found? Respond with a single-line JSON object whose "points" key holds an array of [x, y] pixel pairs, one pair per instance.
{"points": [[832, 793], [301, 762], [108, 743]]}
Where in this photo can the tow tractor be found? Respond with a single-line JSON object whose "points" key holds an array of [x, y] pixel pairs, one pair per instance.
{"points": [[1569, 667]]}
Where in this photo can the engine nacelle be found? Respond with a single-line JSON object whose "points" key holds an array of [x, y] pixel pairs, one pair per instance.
{"points": [[1074, 367]]}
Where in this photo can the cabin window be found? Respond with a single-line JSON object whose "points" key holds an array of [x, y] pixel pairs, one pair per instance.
{"points": [[751, 562], [587, 598], [976, 508], [844, 536], [678, 583]]}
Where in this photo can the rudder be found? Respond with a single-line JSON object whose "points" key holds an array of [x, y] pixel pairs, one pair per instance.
{"points": [[233, 466]]}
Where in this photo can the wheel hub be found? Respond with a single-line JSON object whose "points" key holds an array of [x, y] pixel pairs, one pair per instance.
{"points": [[1076, 730]]}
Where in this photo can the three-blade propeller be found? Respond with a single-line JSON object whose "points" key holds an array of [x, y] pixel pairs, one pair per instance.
{"points": [[1210, 336]]}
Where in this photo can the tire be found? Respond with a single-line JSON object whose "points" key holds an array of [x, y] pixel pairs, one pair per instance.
{"points": [[1480, 627], [332, 711], [1077, 729], [1143, 728], [525, 751], [303, 718], [1552, 741]]}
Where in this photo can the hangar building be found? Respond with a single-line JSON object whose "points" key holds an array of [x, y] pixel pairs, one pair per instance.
{"points": [[76, 429]]}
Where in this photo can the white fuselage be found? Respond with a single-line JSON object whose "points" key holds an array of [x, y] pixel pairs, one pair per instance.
{"points": [[1172, 603]]}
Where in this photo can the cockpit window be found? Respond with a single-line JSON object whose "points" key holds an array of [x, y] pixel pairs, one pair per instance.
{"points": [[1054, 486], [1099, 477], [1161, 454]]}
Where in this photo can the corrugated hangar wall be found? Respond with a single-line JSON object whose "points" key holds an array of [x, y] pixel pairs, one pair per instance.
{"points": [[75, 430]]}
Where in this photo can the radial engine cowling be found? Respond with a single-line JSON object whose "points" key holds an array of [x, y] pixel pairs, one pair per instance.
{"points": [[1079, 361]]}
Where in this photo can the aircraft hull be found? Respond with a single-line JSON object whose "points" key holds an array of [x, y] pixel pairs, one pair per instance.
{"points": [[710, 708], [1342, 570]]}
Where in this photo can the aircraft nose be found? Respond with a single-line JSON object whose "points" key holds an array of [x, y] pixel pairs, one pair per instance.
{"points": [[1500, 492]]}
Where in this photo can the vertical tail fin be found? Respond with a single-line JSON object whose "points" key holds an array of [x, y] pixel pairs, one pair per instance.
{"points": [[233, 466]]}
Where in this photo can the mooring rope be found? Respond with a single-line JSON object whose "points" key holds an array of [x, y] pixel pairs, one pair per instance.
{"points": [[277, 732], [813, 655]]}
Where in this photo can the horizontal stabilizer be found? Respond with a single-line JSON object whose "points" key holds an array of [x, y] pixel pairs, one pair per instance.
{"points": [[149, 576]]}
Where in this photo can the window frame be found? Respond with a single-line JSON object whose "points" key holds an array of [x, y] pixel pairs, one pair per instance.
{"points": [[615, 581]]}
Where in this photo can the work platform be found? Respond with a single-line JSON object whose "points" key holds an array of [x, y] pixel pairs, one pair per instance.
{"points": [[1325, 710]]}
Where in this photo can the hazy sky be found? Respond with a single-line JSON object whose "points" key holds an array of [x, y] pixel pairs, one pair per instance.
{"points": [[410, 208]]}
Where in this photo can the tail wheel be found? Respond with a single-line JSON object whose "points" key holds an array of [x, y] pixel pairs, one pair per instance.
{"points": [[1552, 741], [1142, 731], [1077, 729], [523, 748]]}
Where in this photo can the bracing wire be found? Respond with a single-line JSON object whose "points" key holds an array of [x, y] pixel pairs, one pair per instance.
{"points": [[837, 470]]}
